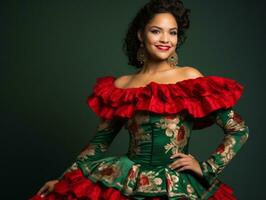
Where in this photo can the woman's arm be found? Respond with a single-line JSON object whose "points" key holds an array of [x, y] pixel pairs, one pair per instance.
{"points": [[236, 134], [106, 131]]}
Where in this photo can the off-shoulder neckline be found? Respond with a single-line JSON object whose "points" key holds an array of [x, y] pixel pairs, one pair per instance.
{"points": [[113, 78], [197, 96]]}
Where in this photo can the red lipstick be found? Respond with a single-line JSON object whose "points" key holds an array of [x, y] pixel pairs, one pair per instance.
{"points": [[163, 47]]}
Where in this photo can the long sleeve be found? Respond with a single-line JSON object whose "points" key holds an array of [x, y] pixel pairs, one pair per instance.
{"points": [[236, 133], [95, 149]]}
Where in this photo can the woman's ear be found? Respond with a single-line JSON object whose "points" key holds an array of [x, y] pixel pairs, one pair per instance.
{"points": [[140, 35]]}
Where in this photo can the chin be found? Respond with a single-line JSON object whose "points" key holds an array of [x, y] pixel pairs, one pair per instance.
{"points": [[162, 57]]}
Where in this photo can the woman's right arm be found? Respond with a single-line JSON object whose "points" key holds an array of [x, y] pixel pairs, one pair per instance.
{"points": [[105, 133]]}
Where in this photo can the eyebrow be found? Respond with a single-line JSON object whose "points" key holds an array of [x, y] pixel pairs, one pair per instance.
{"points": [[161, 28]]}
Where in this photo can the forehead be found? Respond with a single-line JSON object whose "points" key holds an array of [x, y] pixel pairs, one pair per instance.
{"points": [[164, 20]]}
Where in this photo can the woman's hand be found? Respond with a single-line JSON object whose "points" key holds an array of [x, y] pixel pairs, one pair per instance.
{"points": [[47, 188], [186, 162]]}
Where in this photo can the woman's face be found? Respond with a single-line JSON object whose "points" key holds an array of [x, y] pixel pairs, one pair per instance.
{"points": [[160, 36]]}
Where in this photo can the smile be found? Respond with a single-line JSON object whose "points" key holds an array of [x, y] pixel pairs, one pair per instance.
{"points": [[163, 48]]}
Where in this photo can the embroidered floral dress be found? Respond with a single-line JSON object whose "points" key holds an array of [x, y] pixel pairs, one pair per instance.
{"points": [[159, 119]]}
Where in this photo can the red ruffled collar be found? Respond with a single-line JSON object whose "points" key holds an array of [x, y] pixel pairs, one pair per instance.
{"points": [[198, 96]]}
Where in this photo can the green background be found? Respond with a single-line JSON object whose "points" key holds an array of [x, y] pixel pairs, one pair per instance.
{"points": [[53, 51]]}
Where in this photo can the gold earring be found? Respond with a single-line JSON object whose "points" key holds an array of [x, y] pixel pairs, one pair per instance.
{"points": [[173, 60], [141, 56]]}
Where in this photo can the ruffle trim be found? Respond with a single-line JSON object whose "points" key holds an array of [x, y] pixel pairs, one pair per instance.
{"points": [[224, 192], [197, 96], [75, 186]]}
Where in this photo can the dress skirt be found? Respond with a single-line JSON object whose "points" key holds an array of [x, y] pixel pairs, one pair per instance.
{"points": [[75, 186]]}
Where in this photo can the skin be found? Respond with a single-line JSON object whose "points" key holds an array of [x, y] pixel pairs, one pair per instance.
{"points": [[161, 30], [47, 187]]}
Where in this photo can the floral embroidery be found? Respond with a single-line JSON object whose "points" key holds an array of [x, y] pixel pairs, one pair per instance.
{"points": [[213, 165], [233, 123], [107, 172], [178, 134], [73, 167], [204, 167], [172, 183], [244, 138], [236, 134], [230, 121], [174, 188], [225, 149], [191, 192], [138, 134], [131, 179], [106, 131], [225, 152], [149, 181], [90, 149], [105, 125]]}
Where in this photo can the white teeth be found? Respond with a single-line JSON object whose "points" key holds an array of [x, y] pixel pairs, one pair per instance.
{"points": [[161, 47]]}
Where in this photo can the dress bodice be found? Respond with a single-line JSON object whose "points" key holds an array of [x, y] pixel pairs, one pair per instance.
{"points": [[156, 137]]}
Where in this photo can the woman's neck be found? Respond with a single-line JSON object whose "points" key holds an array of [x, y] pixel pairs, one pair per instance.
{"points": [[154, 67]]}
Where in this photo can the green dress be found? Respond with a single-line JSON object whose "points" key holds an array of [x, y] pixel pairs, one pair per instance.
{"points": [[159, 119]]}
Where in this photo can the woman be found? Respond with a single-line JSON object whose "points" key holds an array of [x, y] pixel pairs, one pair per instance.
{"points": [[160, 105]]}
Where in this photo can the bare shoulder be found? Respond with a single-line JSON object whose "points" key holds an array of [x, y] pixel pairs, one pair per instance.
{"points": [[122, 81], [192, 72]]}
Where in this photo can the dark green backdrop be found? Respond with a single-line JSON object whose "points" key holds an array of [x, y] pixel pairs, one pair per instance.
{"points": [[52, 52]]}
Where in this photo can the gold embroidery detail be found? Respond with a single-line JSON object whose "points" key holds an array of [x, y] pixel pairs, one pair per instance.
{"points": [[138, 134], [107, 172], [150, 182], [178, 134], [104, 125], [88, 150]]}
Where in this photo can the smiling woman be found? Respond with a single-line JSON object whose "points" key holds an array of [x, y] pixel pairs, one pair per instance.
{"points": [[159, 37], [159, 105], [171, 29]]}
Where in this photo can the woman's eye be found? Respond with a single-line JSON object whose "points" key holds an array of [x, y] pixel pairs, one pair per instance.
{"points": [[155, 31], [174, 33]]}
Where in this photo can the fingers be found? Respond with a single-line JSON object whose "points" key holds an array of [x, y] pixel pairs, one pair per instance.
{"points": [[46, 192], [184, 168], [191, 156], [186, 161], [180, 162], [178, 154], [43, 188], [183, 164]]}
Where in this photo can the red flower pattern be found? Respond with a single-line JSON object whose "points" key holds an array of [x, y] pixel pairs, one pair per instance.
{"points": [[220, 149], [132, 173], [144, 180], [108, 171], [237, 117], [181, 133]]}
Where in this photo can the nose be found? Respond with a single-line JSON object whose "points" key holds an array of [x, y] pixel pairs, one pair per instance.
{"points": [[164, 38]]}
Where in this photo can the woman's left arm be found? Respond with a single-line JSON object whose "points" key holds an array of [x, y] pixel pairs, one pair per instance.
{"points": [[236, 134]]}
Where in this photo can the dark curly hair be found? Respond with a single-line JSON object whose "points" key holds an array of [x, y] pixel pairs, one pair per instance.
{"points": [[146, 13]]}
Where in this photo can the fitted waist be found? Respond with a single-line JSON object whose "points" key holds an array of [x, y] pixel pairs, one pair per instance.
{"points": [[152, 160], [147, 160]]}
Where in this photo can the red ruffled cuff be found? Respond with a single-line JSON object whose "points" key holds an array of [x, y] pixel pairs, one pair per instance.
{"points": [[197, 96]]}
